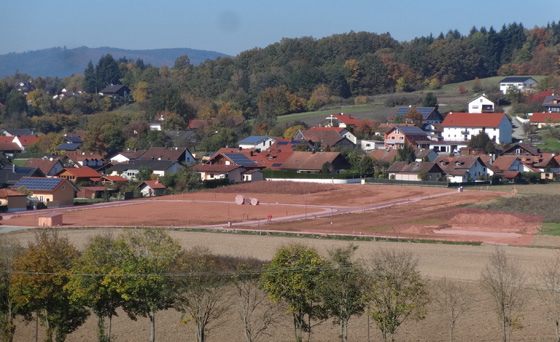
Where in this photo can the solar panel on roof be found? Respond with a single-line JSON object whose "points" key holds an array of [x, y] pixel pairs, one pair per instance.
{"points": [[239, 159], [281, 143], [39, 183], [277, 164]]}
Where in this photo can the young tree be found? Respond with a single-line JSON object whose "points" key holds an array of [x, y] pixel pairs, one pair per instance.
{"points": [[257, 313], [430, 100], [453, 300], [549, 278], [343, 287], [414, 116], [93, 282], [293, 276], [199, 289], [41, 273], [8, 252], [397, 291], [147, 257], [504, 282]]}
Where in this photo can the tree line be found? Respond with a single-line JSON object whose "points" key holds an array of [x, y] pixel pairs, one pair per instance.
{"points": [[144, 272]]}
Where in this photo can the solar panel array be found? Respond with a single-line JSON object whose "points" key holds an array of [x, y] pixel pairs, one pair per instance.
{"points": [[239, 159], [22, 170], [39, 183], [277, 164], [425, 111], [74, 140]]}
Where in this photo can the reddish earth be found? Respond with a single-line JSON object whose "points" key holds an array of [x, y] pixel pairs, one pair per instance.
{"points": [[411, 212]]}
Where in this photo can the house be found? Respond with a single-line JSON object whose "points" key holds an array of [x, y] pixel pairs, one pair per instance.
{"points": [[552, 103], [151, 188], [92, 160], [463, 126], [49, 166], [412, 171], [388, 155], [177, 154], [429, 114], [160, 168], [127, 156], [544, 163], [342, 131], [73, 139], [508, 163], [481, 104], [369, 145], [312, 162], [323, 138], [397, 136], [460, 169], [157, 124], [542, 120], [11, 200], [231, 158], [9, 148], [22, 141], [53, 192], [11, 175], [522, 149], [220, 171], [256, 142], [79, 174], [16, 132], [115, 90], [521, 83]]}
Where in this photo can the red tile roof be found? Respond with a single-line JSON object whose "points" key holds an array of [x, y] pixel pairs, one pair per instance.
{"points": [[347, 119], [27, 140], [545, 117], [9, 146], [454, 119], [115, 178], [6, 139], [81, 172], [4, 193]]}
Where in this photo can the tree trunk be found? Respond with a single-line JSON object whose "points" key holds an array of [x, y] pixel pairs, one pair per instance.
{"points": [[110, 319], [153, 324], [451, 333]]}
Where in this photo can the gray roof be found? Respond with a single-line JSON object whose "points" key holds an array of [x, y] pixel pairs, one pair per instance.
{"points": [[516, 79], [411, 130], [254, 139]]}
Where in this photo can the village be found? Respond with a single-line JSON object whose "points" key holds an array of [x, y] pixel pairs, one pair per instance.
{"points": [[416, 145]]}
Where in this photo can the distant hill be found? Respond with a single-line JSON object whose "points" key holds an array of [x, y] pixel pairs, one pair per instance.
{"points": [[64, 62]]}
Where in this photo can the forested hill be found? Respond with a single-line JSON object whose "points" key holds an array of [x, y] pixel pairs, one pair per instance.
{"points": [[62, 62]]}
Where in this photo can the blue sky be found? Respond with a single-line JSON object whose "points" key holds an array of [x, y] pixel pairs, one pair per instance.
{"points": [[234, 26]]}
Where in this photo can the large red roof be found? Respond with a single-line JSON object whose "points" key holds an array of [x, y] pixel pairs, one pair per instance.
{"points": [[454, 119]]}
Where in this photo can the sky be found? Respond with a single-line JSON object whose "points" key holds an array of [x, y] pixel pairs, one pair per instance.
{"points": [[230, 27]]}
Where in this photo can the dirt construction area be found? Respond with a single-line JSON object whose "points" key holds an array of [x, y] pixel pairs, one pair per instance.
{"points": [[381, 211], [368, 210]]}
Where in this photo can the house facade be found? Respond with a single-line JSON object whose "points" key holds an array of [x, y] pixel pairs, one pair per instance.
{"points": [[522, 84], [463, 126], [552, 103], [460, 169], [413, 171], [53, 192], [481, 104], [397, 136]]}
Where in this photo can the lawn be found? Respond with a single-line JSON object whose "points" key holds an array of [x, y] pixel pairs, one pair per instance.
{"points": [[550, 229]]}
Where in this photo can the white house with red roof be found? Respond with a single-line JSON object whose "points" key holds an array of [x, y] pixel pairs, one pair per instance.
{"points": [[463, 126], [545, 120], [151, 188]]}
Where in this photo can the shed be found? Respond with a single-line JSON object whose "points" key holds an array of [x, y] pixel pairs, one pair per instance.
{"points": [[50, 220]]}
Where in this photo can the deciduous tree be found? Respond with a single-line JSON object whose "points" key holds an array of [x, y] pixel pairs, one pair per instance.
{"points": [[504, 283], [293, 276], [397, 291], [453, 300]]}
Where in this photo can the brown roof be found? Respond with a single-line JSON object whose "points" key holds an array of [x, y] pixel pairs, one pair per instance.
{"points": [[80, 172], [503, 163], [9, 146], [453, 165], [4, 193], [164, 153], [115, 178], [309, 160], [384, 155], [80, 157], [44, 165], [328, 137]]}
